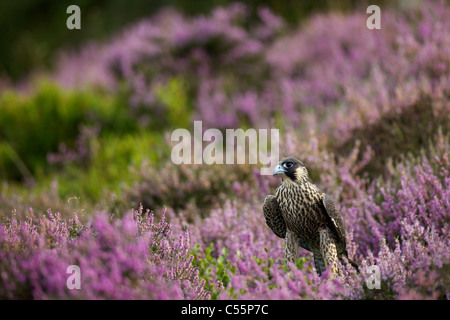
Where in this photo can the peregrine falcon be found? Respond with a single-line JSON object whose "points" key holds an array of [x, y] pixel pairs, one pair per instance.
{"points": [[304, 216]]}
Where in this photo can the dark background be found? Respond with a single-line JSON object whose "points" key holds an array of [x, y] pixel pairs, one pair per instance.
{"points": [[33, 30]]}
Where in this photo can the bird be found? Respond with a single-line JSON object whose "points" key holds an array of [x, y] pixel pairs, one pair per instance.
{"points": [[306, 217]]}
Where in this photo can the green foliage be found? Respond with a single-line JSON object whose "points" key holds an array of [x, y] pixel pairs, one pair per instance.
{"points": [[110, 166], [216, 271], [174, 96], [33, 125]]}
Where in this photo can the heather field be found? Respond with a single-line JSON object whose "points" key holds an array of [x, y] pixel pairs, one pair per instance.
{"points": [[87, 177]]}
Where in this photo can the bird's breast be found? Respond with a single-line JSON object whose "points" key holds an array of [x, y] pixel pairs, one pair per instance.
{"points": [[300, 207]]}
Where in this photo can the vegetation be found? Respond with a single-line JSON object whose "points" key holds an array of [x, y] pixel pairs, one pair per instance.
{"points": [[86, 150]]}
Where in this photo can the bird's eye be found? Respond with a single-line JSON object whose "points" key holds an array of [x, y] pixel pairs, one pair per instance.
{"points": [[288, 164]]}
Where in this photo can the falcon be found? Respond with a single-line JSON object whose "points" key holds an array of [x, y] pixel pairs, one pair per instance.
{"points": [[305, 217]]}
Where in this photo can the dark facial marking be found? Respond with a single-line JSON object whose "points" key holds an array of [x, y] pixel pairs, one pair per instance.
{"points": [[290, 165]]}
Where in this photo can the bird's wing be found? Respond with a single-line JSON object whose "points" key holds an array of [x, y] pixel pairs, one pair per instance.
{"points": [[335, 220], [336, 223], [273, 216]]}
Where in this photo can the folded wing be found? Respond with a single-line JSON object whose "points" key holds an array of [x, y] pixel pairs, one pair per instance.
{"points": [[273, 216]]}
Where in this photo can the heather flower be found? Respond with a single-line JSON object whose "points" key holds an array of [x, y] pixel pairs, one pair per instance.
{"points": [[251, 73], [346, 99], [118, 259]]}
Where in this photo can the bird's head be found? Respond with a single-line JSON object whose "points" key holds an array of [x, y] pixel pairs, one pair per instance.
{"points": [[291, 170]]}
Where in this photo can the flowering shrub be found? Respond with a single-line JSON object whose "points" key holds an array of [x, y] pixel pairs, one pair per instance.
{"points": [[210, 53], [198, 187], [239, 73], [131, 258], [393, 136], [366, 111], [399, 224]]}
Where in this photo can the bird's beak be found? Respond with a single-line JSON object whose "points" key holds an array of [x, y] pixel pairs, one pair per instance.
{"points": [[278, 170]]}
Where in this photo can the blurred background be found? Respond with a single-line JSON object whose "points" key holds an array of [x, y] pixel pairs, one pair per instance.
{"points": [[34, 30], [86, 114], [86, 118]]}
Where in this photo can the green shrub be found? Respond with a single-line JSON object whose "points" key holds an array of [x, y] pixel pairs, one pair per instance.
{"points": [[36, 124], [216, 271], [174, 96], [110, 167]]}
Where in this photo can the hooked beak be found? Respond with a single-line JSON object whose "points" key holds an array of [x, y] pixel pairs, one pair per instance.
{"points": [[278, 170]]}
